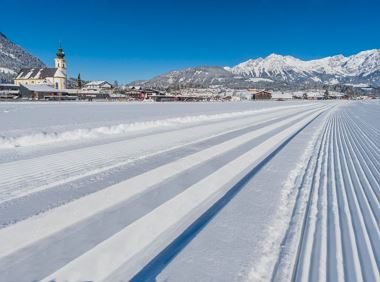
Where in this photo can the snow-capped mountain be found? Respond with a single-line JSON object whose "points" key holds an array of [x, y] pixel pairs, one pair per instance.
{"points": [[191, 77], [327, 70], [13, 58], [360, 69]]}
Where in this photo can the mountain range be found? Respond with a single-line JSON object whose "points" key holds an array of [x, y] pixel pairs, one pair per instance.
{"points": [[13, 58], [359, 70]]}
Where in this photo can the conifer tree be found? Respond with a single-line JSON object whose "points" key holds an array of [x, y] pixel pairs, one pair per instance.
{"points": [[79, 82], [326, 95]]}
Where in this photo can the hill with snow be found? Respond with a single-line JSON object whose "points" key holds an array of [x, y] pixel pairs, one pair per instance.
{"points": [[13, 58], [362, 69]]}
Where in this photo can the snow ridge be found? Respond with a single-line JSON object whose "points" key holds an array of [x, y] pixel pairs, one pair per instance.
{"points": [[43, 138]]}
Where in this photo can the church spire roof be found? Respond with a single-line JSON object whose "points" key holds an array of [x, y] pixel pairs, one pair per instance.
{"points": [[60, 53]]}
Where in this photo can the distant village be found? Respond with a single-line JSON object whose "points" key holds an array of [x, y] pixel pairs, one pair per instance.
{"points": [[51, 84]]}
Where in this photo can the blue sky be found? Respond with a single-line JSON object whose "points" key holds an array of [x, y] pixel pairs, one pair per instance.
{"points": [[131, 39]]}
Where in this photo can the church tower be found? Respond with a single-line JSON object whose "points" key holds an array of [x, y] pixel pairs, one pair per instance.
{"points": [[61, 73]]}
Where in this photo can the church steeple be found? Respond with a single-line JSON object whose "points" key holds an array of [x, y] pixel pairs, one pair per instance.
{"points": [[60, 62], [60, 75]]}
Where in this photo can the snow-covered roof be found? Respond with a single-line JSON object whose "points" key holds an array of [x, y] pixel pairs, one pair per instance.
{"points": [[36, 73], [41, 88], [135, 87], [98, 83], [260, 91], [59, 73]]}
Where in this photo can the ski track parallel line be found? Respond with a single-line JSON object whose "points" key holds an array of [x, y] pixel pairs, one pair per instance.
{"points": [[340, 235], [352, 244], [365, 249], [302, 264]]}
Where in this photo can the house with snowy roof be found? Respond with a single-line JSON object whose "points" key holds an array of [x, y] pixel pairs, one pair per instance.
{"points": [[98, 86], [54, 77], [44, 92]]}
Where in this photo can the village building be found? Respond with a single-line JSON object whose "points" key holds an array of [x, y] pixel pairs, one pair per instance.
{"points": [[98, 86], [54, 77], [138, 93], [44, 92], [9, 91], [261, 95]]}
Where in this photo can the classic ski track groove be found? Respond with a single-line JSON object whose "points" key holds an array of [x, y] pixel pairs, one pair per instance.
{"points": [[340, 238]]}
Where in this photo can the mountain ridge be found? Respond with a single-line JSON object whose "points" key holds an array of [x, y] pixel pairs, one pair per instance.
{"points": [[13, 58], [277, 70]]}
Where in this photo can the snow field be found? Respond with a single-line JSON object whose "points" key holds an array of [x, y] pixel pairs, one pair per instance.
{"points": [[325, 227]]}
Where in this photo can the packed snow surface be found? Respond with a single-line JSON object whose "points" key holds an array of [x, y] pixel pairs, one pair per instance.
{"points": [[254, 191]]}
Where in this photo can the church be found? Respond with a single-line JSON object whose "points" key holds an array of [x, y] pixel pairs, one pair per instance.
{"points": [[55, 77]]}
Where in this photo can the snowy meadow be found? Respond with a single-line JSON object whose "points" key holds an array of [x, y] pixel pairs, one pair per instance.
{"points": [[236, 191]]}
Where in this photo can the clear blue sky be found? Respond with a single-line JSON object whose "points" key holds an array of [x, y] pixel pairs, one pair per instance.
{"points": [[129, 40]]}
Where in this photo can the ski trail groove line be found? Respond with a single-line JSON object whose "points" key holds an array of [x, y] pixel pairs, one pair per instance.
{"points": [[367, 161], [296, 264], [352, 262], [335, 274], [288, 257], [340, 233], [365, 249], [343, 213], [309, 249], [370, 198]]}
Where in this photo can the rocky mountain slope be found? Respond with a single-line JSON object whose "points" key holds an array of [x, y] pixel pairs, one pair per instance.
{"points": [[362, 69], [13, 58]]}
